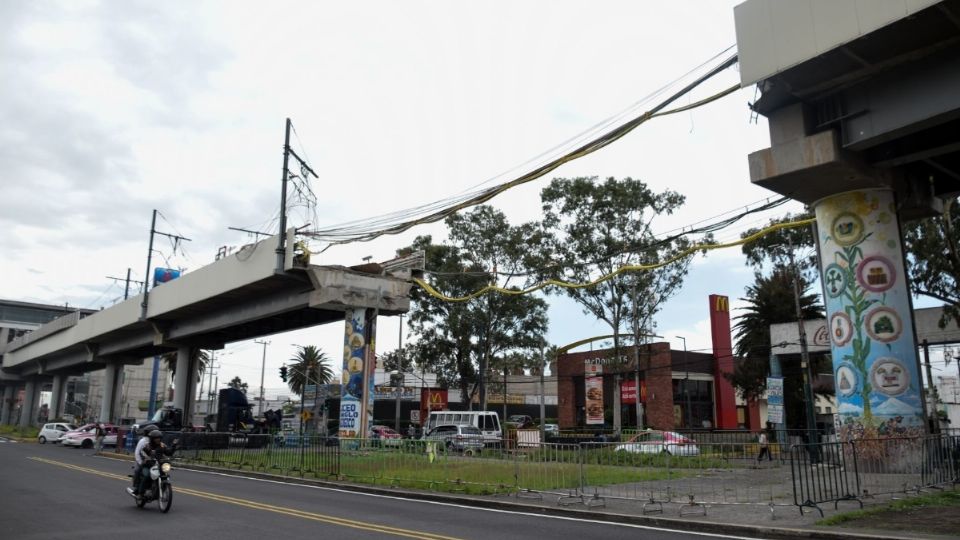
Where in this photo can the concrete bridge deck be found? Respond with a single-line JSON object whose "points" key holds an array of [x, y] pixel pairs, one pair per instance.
{"points": [[239, 297]]}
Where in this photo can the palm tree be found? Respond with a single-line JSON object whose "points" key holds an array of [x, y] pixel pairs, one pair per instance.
{"points": [[309, 363], [200, 356], [770, 300]]}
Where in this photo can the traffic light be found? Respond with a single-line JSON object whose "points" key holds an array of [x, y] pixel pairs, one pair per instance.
{"points": [[283, 373]]}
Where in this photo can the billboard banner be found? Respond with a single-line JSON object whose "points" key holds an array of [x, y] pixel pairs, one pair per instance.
{"points": [[352, 391], [387, 392], [593, 382]]}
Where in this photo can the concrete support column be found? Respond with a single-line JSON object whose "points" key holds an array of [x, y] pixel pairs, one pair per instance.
{"points": [[7, 405], [356, 396], [109, 392], [869, 315], [192, 381], [29, 404], [181, 380], [116, 410], [56, 396]]}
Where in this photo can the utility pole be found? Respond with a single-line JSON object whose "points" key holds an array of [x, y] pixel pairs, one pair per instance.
{"points": [[543, 366], [686, 379], [263, 367], [931, 394], [636, 359], [127, 281], [402, 370], [804, 356], [146, 276], [287, 153]]}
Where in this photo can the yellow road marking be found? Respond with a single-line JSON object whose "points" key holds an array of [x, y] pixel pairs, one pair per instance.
{"points": [[333, 520]]}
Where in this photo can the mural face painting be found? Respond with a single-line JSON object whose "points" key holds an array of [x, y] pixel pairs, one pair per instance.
{"points": [[868, 314]]}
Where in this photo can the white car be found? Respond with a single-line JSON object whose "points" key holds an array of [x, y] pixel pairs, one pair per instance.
{"points": [[53, 431], [85, 438], [660, 442]]}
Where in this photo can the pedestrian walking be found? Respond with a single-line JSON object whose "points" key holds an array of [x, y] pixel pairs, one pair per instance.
{"points": [[764, 447], [99, 434]]}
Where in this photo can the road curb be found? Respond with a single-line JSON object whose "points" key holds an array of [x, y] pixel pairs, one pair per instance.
{"points": [[757, 531]]}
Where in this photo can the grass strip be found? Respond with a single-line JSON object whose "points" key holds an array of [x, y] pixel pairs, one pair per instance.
{"points": [[944, 499]]}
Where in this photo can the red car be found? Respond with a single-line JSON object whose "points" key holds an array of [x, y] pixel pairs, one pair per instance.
{"points": [[386, 435]]}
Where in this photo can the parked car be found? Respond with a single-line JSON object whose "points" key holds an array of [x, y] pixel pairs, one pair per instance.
{"points": [[386, 435], [458, 438], [551, 429], [53, 432], [657, 442], [521, 420], [86, 438], [84, 427]]}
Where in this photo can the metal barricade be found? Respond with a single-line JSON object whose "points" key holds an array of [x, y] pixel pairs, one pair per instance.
{"points": [[821, 473]]}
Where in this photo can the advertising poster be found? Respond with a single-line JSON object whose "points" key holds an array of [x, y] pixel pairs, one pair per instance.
{"points": [[628, 392], [593, 381], [868, 316], [775, 400], [351, 393]]}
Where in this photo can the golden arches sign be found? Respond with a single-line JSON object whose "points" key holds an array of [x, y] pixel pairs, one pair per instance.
{"points": [[721, 303]]}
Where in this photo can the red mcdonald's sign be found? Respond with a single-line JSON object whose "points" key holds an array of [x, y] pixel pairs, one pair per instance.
{"points": [[431, 399]]}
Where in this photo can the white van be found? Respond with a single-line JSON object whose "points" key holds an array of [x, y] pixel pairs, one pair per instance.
{"points": [[486, 421]]}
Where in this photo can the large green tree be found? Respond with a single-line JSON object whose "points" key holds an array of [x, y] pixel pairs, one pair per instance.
{"points": [[310, 366], [595, 227], [933, 256], [457, 340]]}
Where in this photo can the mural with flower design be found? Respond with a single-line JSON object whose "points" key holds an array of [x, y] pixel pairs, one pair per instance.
{"points": [[868, 312]]}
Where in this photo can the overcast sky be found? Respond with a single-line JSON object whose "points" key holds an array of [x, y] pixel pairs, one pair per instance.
{"points": [[111, 109]]}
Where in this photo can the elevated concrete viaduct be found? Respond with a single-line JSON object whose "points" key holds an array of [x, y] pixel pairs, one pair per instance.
{"points": [[239, 297]]}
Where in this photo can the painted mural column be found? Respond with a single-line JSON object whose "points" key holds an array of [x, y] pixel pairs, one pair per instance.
{"points": [[868, 316], [359, 363]]}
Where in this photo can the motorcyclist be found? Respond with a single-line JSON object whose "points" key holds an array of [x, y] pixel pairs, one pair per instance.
{"points": [[150, 452], [144, 440]]}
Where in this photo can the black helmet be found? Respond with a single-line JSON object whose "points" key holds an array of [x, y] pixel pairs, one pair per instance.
{"points": [[148, 428], [155, 434]]}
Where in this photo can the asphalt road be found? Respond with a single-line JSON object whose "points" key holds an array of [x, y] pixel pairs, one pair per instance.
{"points": [[51, 492]]}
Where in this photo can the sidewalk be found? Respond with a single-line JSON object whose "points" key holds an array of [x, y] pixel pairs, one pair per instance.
{"points": [[759, 521]]}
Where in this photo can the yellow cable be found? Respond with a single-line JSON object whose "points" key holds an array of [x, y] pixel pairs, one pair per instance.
{"points": [[623, 269]]}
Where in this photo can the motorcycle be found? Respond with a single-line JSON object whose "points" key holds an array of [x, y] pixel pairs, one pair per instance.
{"points": [[159, 488]]}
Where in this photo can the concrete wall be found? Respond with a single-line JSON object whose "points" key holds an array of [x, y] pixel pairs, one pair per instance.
{"points": [[775, 35]]}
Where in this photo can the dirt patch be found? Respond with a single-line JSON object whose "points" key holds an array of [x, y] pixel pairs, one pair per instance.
{"points": [[931, 520]]}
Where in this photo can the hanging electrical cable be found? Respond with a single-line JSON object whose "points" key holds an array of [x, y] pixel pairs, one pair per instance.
{"points": [[400, 221], [621, 270]]}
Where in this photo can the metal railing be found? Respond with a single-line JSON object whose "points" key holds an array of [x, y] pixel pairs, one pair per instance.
{"points": [[648, 472], [864, 469], [288, 455]]}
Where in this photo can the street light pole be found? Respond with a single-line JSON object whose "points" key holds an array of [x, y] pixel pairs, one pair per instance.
{"points": [[263, 366], [543, 430], [401, 369], [686, 379]]}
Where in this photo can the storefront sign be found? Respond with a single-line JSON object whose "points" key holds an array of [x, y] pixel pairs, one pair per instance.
{"points": [[407, 393]]}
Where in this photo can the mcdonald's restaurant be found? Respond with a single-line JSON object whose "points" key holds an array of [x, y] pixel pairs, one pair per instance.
{"points": [[665, 389]]}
